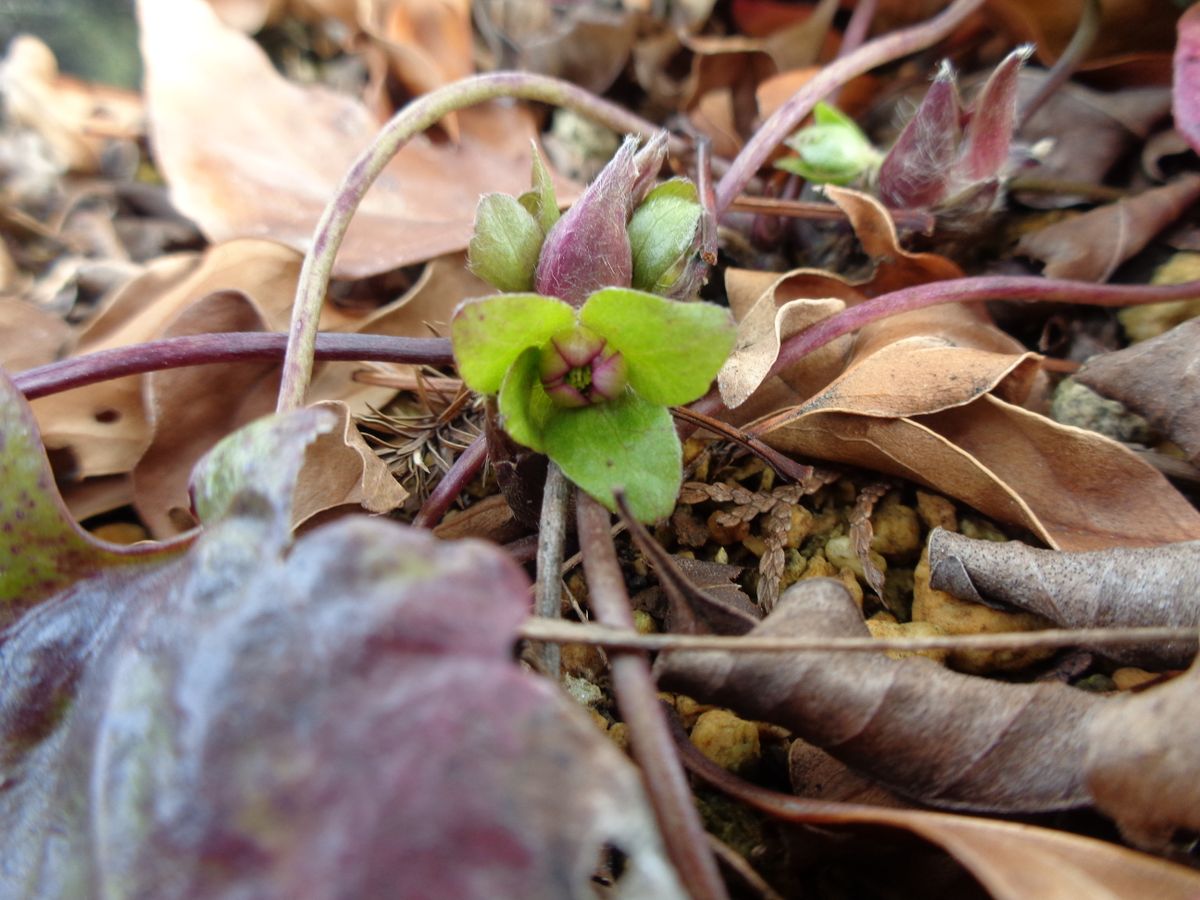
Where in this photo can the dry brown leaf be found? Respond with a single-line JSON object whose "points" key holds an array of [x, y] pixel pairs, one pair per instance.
{"points": [[1074, 489], [1116, 588], [1159, 379], [1126, 26], [428, 42], [1091, 246], [29, 336], [771, 308], [1081, 133], [956, 740], [77, 120], [267, 165]]}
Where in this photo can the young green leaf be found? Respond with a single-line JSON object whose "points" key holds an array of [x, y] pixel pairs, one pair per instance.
{"points": [[541, 201], [523, 403], [629, 443], [834, 150], [489, 334], [673, 349], [505, 246]]}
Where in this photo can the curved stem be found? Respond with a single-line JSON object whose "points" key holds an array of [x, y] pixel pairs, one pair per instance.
{"points": [[1064, 67], [409, 121], [459, 475], [788, 117], [202, 349], [637, 697]]}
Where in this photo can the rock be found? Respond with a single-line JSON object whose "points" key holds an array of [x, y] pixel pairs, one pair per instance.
{"points": [[730, 742]]}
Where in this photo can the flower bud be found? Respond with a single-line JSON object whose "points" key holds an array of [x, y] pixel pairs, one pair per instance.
{"points": [[504, 248], [664, 235], [588, 248], [833, 150], [578, 368]]}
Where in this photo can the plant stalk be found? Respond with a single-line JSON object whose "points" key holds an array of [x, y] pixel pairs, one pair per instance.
{"points": [[637, 697], [552, 538], [461, 473]]}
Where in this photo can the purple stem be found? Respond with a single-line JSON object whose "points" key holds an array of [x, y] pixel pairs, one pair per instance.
{"points": [[202, 349], [637, 698], [956, 290], [788, 117], [459, 475]]}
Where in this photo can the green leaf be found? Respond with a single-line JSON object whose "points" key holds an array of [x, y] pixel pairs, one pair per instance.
{"points": [[489, 334], [673, 349], [523, 403], [662, 234], [42, 549], [541, 202], [832, 151], [505, 246], [629, 443]]}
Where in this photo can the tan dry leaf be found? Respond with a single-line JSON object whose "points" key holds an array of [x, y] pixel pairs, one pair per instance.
{"points": [[76, 119], [1074, 489], [29, 336], [428, 42], [247, 153], [1091, 246], [1115, 588], [1159, 379], [1126, 26]]}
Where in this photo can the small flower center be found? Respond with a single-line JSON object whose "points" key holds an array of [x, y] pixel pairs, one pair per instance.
{"points": [[580, 378], [579, 368]]}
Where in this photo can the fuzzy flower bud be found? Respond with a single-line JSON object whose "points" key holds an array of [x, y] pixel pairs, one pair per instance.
{"points": [[588, 248], [578, 368]]}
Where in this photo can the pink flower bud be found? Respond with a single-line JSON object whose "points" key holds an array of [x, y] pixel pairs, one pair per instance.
{"points": [[578, 368], [588, 248]]}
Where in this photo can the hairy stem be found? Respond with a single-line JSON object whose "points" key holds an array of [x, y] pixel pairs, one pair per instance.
{"points": [[552, 537], [408, 122], [204, 349], [637, 698], [788, 117]]}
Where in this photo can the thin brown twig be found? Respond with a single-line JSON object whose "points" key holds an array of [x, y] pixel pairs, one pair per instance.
{"points": [[637, 698], [625, 638], [459, 475]]}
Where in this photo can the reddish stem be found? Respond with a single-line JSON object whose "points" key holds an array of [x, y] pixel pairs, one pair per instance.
{"points": [[203, 349], [637, 697], [453, 483]]}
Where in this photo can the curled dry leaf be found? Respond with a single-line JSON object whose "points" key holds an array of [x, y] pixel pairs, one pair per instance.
{"points": [[428, 44], [955, 740], [1159, 379], [1117, 588], [200, 728], [1091, 246], [267, 165], [1011, 860], [771, 308]]}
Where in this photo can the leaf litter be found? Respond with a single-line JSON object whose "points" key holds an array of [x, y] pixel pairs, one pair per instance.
{"points": [[940, 398]]}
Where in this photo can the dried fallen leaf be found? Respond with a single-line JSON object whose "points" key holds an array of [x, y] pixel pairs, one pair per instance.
{"points": [[428, 42], [267, 165], [1159, 379], [1125, 25], [955, 740], [1091, 246], [29, 336], [1118, 588]]}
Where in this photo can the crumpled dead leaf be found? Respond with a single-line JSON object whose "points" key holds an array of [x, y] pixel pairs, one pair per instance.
{"points": [[771, 308], [1091, 246], [1122, 587], [267, 165], [1159, 379], [955, 740]]}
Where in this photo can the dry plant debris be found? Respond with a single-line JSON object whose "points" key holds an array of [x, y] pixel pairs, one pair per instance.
{"points": [[221, 678]]}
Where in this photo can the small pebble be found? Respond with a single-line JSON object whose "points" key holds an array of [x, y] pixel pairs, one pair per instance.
{"points": [[727, 534], [897, 529], [840, 552], [121, 533], [884, 625], [582, 661], [936, 511], [643, 622], [1128, 678], [730, 742]]}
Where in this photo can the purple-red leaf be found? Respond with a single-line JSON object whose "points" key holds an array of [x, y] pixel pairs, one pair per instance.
{"points": [[916, 171], [1185, 95]]}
